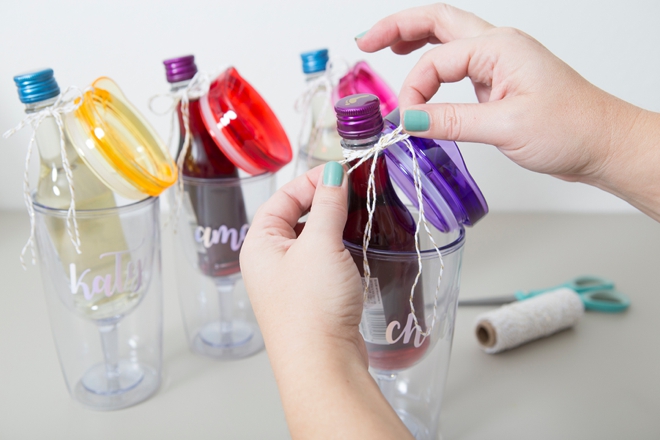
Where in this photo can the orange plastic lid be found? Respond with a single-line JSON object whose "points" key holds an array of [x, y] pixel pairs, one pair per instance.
{"points": [[119, 145]]}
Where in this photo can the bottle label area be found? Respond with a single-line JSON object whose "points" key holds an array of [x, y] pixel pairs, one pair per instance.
{"points": [[374, 326]]}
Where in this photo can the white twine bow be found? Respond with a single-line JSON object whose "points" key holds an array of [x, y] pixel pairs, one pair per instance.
{"points": [[372, 153], [197, 87], [67, 102], [326, 83]]}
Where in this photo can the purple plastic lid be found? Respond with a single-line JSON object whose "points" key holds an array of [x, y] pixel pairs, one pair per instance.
{"points": [[451, 196], [358, 116], [180, 69]]}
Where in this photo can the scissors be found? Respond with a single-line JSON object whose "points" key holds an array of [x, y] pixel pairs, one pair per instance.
{"points": [[596, 293]]}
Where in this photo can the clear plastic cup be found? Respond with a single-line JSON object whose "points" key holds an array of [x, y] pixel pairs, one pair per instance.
{"points": [[411, 368], [213, 219], [105, 304]]}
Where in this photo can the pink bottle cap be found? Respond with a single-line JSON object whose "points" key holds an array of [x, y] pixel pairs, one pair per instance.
{"points": [[243, 125], [362, 79]]}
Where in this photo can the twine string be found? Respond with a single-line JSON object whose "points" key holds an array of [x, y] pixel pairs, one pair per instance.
{"points": [[372, 154], [66, 102]]}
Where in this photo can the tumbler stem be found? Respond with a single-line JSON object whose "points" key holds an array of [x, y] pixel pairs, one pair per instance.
{"points": [[387, 383], [110, 344], [225, 289]]}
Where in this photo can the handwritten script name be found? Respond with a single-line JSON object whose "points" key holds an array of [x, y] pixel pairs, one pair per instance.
{"points": [[209, 236], [105, 284], [406, 333]]}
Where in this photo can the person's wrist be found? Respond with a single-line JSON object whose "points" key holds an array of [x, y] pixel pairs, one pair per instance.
{"points": [[315, 345], [630, 169], [606, 138]]}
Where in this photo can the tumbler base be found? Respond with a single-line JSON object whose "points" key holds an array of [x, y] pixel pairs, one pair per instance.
{"points": [[134, 384], [414, 425], [237, 340]]}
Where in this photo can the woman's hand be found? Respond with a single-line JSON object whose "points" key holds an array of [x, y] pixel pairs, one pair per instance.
{"points": [[532, 106], [306, 293], [309, 278]]}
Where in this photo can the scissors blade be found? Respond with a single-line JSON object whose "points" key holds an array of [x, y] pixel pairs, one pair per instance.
{"points": [[488, 301]]}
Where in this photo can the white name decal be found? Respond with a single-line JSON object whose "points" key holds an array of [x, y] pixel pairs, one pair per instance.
{"points": [[105, 284], [406, 333], [208, 236]]}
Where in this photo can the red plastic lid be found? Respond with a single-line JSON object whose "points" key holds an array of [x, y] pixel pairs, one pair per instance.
{"points": [[363, 79], [243, 126]]}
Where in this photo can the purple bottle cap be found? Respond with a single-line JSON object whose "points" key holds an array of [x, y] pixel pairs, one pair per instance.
{"points": [[363, 79], [180, 69], [358, 116], [450, 195]]}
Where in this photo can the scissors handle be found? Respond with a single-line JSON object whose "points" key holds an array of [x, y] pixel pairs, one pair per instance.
{"points": [[588, 283], [580, 285], [597, 294], [608, 301]]}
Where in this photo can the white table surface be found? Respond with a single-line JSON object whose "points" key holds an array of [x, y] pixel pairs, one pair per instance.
{"points": [[600, 380]]}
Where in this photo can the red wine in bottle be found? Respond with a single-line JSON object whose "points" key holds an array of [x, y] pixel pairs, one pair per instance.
{"points": [[219, 209], [393, 229]]}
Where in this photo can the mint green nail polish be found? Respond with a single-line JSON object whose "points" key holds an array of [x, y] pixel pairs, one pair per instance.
{"points": [[416, 120], [361, 34], [333, 174]]}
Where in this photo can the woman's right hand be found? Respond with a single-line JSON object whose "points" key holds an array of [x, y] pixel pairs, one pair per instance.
{"points": [[532, 106]]}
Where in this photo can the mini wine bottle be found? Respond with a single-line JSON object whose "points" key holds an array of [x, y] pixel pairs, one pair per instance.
{"points": [[216, 208], [359, 123], [320, 142], [98, 237]]}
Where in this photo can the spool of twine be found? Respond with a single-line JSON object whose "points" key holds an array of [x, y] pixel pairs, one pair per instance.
{"points": [[524, 321]]}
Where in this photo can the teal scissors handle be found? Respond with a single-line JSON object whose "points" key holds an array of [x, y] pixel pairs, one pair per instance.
{"points": [[596, 293]]}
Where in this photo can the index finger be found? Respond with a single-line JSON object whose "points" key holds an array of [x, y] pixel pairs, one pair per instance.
{"points": [[412, 28]]}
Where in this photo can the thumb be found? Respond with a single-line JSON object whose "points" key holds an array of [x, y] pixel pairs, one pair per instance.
{"points": [[484, 122], [327, 216]]}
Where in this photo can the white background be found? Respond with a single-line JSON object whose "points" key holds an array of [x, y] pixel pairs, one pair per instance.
{"points": [[613, 44]]}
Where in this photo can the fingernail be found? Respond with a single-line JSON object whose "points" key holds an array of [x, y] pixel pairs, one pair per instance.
{"points": [[361, 34], [333, 174], [416, 120]]}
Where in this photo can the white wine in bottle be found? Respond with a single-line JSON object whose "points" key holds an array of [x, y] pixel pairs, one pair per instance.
{"points": [[321, 142], [104, 281]]}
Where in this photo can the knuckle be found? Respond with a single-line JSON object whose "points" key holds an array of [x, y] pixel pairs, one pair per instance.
{"points": [[328, 201], [509, 31], [329, 204], [450, 122], [443, 9], [513, 33]]}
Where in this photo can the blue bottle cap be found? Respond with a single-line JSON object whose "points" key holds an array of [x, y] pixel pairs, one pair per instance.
{"points": [[314, 61], [36, 86]]}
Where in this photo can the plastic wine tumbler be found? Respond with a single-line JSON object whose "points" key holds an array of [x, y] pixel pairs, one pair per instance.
{"points": [[409, 367], [216, 310], [105, 304]]}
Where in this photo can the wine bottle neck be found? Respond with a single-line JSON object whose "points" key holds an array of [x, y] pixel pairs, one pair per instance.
{"points": [[309, 77], [360, 144], [359, 178], [48, 135], [174, 87], [40, 105]]}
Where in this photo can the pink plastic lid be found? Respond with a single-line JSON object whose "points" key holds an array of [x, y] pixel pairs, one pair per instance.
{"points": [[243, 125], [363, 79]]}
